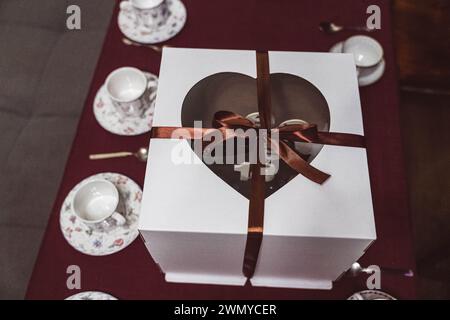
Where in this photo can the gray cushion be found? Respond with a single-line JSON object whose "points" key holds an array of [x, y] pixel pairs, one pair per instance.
{"points": [[45, 73]]}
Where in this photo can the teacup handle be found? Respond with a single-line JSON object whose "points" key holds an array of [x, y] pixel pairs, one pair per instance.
{"points": [[151, 82], [119, 218]]}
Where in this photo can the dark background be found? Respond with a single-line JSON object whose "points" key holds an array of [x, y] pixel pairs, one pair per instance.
{"points": [[422, 35]]}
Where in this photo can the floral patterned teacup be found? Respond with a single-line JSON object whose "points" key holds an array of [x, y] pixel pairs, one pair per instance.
{"points": [[152, 14], [127, 88], [96, 203]]}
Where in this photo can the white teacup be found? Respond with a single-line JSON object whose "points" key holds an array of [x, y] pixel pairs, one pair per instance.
{"points": [[367, 51], [152, 14], [127, 88], [95, 204]]}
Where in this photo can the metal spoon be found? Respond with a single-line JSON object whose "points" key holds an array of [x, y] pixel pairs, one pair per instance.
{"points": [[129, 42], [356, 270], [330, 27], [141, 154]]}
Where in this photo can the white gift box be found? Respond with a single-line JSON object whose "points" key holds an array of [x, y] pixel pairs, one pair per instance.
{"points": [[195, 225]]}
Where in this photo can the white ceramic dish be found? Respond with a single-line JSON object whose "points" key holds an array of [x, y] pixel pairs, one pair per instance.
{"points": [[139, 33], [365, 80], [371, 295], [91, 295], [95, 243], [115, 122]]}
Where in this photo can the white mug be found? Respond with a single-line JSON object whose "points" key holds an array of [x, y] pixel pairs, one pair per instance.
{"points": [[368, 53], [95, 204], [127, 88], [152, 14]]}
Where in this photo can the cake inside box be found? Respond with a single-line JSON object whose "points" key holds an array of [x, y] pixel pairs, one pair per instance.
{"points": [[293, 98]]}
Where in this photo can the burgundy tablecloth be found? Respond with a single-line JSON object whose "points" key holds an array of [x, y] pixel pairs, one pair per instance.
{"points": [[236, 24]]}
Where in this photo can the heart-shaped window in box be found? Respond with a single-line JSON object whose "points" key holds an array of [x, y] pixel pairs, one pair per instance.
{"points": [[293, 99]]}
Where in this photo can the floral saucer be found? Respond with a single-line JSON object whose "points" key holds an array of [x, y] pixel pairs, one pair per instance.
{"points": [[139, 33], [114, 122], [369, 79], [91, 295], [95, 243], [371, 295]]}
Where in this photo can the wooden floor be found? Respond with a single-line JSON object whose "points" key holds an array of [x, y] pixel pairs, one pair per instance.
{"points": [[422, 35]]}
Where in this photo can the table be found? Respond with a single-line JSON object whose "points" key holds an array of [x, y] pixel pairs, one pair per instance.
{"points": [[236, 24]]}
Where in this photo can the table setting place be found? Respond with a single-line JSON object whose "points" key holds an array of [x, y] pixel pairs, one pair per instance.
{"points": [[192, 217]]}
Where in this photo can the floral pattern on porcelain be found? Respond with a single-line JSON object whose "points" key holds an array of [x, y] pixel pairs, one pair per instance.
{"points": [[138, 32], [91, 295], [115, 122], [82, 238], [371, 295]]}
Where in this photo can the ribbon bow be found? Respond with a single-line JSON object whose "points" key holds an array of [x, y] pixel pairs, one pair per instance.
{"points": [[307, 133]]}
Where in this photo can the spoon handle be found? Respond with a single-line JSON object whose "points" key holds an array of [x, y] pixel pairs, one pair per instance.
{"points": [[359, 29], [137, 44], [151, 46], [406, 273], [110, 155], [399, 272]]}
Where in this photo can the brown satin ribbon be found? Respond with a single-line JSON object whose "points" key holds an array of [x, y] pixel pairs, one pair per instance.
{"points": [[258, 189], [224, 120]]}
